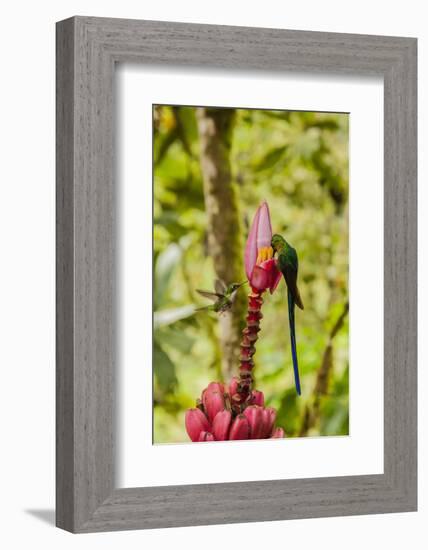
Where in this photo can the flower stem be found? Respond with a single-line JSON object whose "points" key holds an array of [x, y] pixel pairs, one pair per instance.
{"points": [[248, 349]]}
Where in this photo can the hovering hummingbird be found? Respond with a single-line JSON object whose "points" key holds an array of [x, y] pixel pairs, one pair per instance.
{"points": [[288, 265], [223, 297]]}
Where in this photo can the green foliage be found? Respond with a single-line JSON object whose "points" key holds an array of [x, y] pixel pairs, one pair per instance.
{"points": [[298, 162]]}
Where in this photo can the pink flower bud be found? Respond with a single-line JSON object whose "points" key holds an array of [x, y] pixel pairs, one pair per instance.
{"points": [[269, 417], [196, 422], [260, 236], [221, 425], [258, 398], [206, 436], [213, 403], [255, 419], [240, 428], [278, 433]]}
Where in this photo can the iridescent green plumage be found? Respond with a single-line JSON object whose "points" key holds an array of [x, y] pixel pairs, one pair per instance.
{"points": [[223, 297], [288, 264]]}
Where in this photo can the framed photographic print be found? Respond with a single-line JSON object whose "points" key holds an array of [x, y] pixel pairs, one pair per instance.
{"points": [[236, 274]]}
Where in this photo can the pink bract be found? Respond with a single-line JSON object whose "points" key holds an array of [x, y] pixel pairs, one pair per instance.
{"points": [[265, 275]]}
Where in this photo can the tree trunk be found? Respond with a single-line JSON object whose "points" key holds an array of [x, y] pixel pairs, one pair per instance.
{"points": [[224, 229]]}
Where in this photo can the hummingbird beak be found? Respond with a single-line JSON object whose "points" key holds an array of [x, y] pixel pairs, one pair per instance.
{"points": [[241, 284]]}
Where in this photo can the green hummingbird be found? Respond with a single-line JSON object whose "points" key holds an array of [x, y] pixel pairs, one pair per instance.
{"points": [[223, 297], [288, 264]]}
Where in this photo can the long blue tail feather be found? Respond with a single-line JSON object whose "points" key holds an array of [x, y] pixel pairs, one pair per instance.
{"points": [[293, 341]]}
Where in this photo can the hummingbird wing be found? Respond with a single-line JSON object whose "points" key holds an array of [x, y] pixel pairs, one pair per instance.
{"points": [[289, 266], [207, 294], [290, 277], [220, 286]]}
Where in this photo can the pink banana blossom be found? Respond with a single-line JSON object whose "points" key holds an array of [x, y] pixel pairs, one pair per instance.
{"points": [[260, 266], [218, 418], [237, 411], [263, 274]]}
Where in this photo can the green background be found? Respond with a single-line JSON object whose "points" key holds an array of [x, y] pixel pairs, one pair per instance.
{"points": [[298, 163]]}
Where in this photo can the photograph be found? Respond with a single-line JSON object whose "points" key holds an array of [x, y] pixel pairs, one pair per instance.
{"points": [[250, 274], [210, 265]]}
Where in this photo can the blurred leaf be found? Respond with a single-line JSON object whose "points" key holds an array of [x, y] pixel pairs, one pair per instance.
{"points": [[166, 263], [340, 386], [164, 369], [164, 317], [334, 417], [164, 143], [177, 339], [288, 413], [271, 158], [329, 124]]}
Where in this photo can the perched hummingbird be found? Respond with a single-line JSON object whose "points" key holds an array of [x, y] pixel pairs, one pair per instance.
{"points": [[223, 297], [288, 265]]}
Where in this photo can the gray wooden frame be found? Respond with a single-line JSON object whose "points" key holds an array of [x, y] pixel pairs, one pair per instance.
{"points": [[87, 50]]}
